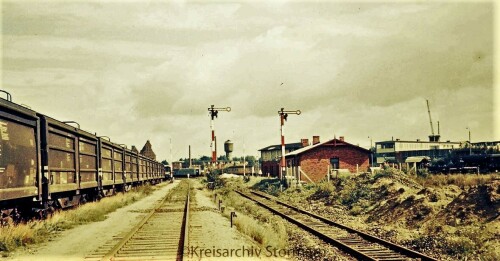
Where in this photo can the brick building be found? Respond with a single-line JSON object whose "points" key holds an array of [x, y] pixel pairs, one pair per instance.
{"points": [[147, 151], [312, 163], [271, 156]]}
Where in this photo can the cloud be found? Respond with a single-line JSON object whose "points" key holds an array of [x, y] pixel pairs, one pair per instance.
{"points": [[135, 71]]}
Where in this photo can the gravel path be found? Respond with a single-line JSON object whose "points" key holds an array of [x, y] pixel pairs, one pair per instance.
{"points": [[215, 239], [78, 242], [211, 235]]}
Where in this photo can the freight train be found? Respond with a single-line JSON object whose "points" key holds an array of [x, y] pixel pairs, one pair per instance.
{"points": [[483, 163], [46, 164]]}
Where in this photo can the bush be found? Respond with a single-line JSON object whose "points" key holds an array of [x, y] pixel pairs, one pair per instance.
{"points": [[387, 172], [459, 247], [323, 190], [422, 173], [214, 176], [270, 186], [352, 194]]}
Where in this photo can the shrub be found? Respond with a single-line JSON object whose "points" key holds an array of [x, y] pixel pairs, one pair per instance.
{"points": [[323, 190], [422, 173], [459, 247], [353, 193], [387, 172], [214, 176], [270, 186]]}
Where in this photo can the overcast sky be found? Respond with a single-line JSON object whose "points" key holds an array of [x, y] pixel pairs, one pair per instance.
{"points": [[135, 71]]}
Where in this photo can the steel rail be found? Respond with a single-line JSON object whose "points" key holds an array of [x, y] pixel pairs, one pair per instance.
{"points": [[364, 235], [184, 240], [349, 249], [126, 238]]}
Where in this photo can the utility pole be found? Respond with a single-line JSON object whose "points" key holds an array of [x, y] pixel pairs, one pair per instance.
{"points": [[371, 151], [213, 114], [470, 144], [171, 163], [283, 116], [244, 159]]}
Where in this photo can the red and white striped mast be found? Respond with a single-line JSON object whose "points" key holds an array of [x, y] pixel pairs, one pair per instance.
{"points": [[283, 116], [213, 114]]}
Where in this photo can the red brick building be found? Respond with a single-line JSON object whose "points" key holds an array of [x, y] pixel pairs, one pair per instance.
{"points": [[313, 162], [147, 151]]}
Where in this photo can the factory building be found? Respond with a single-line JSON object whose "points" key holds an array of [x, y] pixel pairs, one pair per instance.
{"points": [[271, 156], [313, 163], [399, 151], [147, 151]]}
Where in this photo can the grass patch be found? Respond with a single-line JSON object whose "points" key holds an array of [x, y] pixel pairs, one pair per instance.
{"points": [[259, 224], [460, 180], [32, 232]]}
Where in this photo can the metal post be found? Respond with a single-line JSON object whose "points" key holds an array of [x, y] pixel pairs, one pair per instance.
{"points": [[283, 116], [282, 131], [213, 114], [371, 151], [233, 214], [171, 164], [470, 143], [212, 144], [244, 159]]}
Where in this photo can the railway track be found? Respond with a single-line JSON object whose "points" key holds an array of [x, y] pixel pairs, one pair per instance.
{"points": [[160, 235], [358, 244]]}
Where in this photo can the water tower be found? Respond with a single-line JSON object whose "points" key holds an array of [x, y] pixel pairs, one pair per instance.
{"points": [[228, 148]]}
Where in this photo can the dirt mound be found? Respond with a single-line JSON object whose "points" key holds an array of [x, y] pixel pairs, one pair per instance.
{"points": [[477, 204]]}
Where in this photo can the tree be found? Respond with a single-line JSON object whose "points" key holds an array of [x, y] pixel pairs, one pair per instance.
{"points": [[205, 158], [251, 160], [222, 158], [165, 162]]}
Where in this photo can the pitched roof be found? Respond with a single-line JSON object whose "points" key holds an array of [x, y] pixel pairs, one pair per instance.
{"points": [[296, 145], [337, 142], [147, 151]]}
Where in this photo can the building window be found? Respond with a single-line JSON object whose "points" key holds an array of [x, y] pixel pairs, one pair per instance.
{"points": [[335, 163]]}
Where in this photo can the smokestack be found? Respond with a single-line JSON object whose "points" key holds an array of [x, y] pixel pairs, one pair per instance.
{"points": [[341, 138], [315, 140], [190, 162], [438, 128], [305, 142]]}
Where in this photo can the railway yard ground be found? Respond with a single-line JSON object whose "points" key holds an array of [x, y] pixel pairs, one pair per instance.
{"points": [[77, 242], [453, 217], [208, 230], [448, 217]]}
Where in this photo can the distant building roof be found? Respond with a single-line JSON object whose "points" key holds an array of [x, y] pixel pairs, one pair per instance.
{"points": [[147, 151], [297, 145], [417, 159], [335, 141], [418, 141]]}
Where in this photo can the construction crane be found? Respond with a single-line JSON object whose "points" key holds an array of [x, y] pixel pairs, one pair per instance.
{"points": [[432, 137]]}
